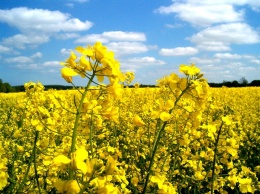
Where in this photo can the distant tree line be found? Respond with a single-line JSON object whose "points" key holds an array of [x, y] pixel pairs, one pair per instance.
{"points": [[142, 86], [21, 88], [241, 83], [7, 88]]}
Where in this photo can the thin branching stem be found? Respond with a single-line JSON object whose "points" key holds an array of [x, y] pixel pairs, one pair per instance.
{"points": [[158, 137], [215, 158]]}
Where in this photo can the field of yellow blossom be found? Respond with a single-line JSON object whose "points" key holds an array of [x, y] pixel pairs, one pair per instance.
{"points": [[181, 137]]}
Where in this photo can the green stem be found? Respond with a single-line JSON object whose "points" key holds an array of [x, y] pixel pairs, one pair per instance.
{"points": [[34, 158], [215, 158], [91, 136], [78, 114], [29, 165], [158, 137]]}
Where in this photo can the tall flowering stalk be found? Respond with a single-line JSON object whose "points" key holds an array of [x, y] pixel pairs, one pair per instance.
{"points": [[193, 86], [95, 63]]}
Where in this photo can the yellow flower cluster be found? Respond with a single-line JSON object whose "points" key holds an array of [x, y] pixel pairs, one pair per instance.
{"points": [[96, 62], [180, 137], [3, 169]]}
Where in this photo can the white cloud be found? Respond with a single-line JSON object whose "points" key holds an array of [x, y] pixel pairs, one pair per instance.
{"points": [[213, 46], [238, 33], [42, 20], [124, 36], [208, 12], [20, 59], [256, 61], [27, 66], [230, 71], [248, 56], [125, 48], [135, 63], [141, 61], [152, 47], [4, 49], [24, 59], [198, 60], [121, 43], [173, 25], [36, 55], [227, 56], [106, 37], [38, 25], [65, 36], [88, 39], [219, 38], [51, 64], [222, 22], [251, 3], [64, 51], [21, 40], [200, 14], [53, 71], [178, 51]]}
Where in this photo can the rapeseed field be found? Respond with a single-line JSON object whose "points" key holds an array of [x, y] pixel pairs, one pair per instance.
{"points": [[181, 137]]}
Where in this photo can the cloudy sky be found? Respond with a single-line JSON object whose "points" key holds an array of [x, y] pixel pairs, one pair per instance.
{"points": [[151, 38]]}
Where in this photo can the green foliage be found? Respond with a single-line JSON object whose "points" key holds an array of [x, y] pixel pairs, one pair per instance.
{"points": [[5, 87]]}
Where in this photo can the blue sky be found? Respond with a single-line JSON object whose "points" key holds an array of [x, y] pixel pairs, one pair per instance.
{"points": [[150, 37]]}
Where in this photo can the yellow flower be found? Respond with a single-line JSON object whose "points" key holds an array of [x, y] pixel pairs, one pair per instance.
{"points": [[182, 83], [138, 121], [167, 189], [60, 160], [59, 185], [84, 64], [72, 187], [67, 74], [226, 120], [111, 113], [189, 70], [108, 189], [184, 69], [232, 151], [198, 175], [245, 185], [17, 134], [233, 179], [134, 181], [20, 149], [129, 77], [185, 140], [114, 88], [110, 166], [3, 169], [155, 114], [85, 51], [159, 180], [70, 62], [78, 158], [99, 51], [3, 179], [169, 104], [165, 116]]}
